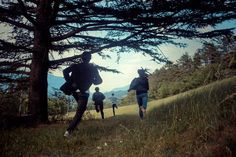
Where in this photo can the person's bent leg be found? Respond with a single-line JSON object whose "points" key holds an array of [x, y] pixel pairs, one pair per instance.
{"points": [[144, 103], [113, 108], [82, 105], [76, 96], [139, 100], [96, 108], [144, 100], [101, 109], [140, 112]]}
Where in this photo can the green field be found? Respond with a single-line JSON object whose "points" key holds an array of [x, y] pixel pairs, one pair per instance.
{"points": [[199, 123]]}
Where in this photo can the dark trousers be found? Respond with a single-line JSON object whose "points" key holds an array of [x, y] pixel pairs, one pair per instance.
{"points": [[82, 100], [113, 108], [99, 107]]}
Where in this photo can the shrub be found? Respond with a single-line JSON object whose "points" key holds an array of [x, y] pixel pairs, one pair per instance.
{"points": [[57, 106], [88, 115], [56, 109], [9, 105]]}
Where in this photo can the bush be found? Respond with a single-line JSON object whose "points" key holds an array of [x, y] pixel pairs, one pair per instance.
{"points": [[88, 115], [57, 106], [9, 105], [163, 91], [57, 109]]}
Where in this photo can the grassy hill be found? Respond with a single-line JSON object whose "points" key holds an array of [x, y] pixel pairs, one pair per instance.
{"points": [[199, 123]]}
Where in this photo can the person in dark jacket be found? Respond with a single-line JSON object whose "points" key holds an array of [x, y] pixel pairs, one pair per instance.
{"points": [[141, 86], [79, 77], [98, 98]]}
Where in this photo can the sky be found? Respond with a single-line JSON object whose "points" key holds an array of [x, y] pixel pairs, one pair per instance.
{"points": [[129, 63]]}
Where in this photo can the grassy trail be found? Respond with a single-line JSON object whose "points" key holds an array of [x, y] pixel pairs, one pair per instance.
{"points": [[199, 123]]}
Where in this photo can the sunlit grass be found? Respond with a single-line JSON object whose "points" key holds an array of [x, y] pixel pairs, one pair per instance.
{"points": [[123, 110], [182, 125]]}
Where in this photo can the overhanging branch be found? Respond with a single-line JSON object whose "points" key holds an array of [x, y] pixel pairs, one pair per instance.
{"points": [[24, 11]]}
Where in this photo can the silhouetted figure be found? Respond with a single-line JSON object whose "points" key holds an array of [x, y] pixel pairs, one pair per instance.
{"points": [[98, 98], [141, 86], [79, 77], [114, 102]]}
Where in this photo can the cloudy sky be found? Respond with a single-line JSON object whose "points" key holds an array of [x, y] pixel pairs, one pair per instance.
{"points": [[130, 62]]}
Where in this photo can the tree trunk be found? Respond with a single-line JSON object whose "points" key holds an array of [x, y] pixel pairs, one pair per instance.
{"points": [[38, 105], [38, 80]]}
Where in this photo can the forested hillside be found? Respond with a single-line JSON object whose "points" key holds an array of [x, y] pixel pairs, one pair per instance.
{"points": [[216, 60]]}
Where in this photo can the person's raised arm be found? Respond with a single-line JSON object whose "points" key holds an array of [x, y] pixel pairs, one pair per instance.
{"points": [[97, 78], [133, 84]]}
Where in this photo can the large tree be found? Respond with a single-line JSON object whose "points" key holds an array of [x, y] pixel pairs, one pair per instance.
{"points": [[42, 30]]}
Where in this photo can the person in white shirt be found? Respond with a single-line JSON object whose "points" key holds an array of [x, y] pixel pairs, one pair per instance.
{"points": [[114, 101]]}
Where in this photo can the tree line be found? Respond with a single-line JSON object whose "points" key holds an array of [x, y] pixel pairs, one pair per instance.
{"points": [[214, 61]]}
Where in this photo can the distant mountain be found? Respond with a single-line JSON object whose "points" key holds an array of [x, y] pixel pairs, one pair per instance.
{"points": [[121, 88], [119, 92], [54, 82]]}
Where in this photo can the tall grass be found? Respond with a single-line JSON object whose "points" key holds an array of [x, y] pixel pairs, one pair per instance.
{"points": [[182, 125], [194, 116]]}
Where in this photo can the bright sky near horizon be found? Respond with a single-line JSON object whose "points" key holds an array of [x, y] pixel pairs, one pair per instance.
{"points": [[129, 63]]}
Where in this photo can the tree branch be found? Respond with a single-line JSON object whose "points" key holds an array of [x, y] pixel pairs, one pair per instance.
{"points": [[17, 24], [24, 11], [55, 10], [71, 33], [11, 46]]}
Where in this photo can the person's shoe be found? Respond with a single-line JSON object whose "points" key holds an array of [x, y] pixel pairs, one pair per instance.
{"points": [[142, 109], [66, 134], [144, 113]]}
